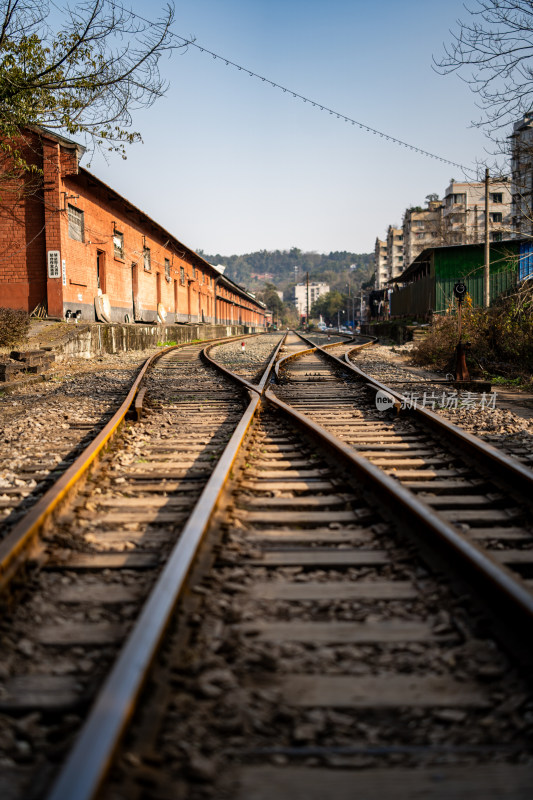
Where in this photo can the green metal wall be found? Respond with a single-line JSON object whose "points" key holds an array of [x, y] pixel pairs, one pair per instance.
{"points": [[450, 264]]}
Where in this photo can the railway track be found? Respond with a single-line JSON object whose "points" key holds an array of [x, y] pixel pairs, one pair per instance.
{"points": [[501, 424], [43, 429], [484, 495], [314, 650], [98, 557]]}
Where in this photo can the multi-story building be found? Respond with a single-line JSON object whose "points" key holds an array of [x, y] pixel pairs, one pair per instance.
{"points": [[380, 264], [395, 254], [522, 176], [463, 215], [300, 295], [422, 228], [388, 257]]}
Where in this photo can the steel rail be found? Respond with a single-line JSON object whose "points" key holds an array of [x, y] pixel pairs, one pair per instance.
{"points": [[507, 467], [25, 531], [237, 378], [296, 354], [314, 346], [419, 514], [23, 535], [90, 759]]}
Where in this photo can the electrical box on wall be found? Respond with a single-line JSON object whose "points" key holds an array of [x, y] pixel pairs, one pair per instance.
{"points": [[54, 264]]}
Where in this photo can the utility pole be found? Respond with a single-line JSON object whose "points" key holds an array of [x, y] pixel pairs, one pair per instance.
{"points": [[348, 305], [361, 308], [307, 315], [486, 275]]}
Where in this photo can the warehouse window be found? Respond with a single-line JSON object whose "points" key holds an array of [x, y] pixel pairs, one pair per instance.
{"points": [[182, 276], [496, 216], [76, 226], [147, 259], [167, 269], [497, 197], [118, 244]]}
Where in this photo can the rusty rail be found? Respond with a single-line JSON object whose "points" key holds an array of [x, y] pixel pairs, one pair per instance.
{"points": [[419, 514], [20, 541], [90, 759]]}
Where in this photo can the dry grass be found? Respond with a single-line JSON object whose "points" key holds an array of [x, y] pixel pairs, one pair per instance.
{"points": [[14, 326], [501, 338]]}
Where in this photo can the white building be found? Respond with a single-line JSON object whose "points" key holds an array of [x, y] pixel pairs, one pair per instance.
{"points": [[463, 215], [300, 295], [388, 257], [395, 255], [422, 228], [380, 264]]}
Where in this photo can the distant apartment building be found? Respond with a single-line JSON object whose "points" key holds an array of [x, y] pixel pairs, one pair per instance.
{"points": [[395, 254], [380, 264], [459, 219], [388, 257], [463, 215], [300, 295], [522, 176], [422, 228]]}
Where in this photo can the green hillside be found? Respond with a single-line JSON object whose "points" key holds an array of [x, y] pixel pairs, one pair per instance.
{"points": [[284, 268]]}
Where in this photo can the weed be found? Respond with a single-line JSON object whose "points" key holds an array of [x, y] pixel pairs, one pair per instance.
{"points": [[170, 343], [14, 325], [501, 338], [501, 380]]}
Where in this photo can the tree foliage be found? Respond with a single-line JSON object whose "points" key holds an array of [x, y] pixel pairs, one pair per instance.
{"points": [[270, 297], [85, 78], [282, 313], [329, 305], [253, 269], [493, 52]]}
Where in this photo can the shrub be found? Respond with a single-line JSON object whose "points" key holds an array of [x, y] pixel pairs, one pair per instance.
{"points": [[14, 325], [501, 338]]}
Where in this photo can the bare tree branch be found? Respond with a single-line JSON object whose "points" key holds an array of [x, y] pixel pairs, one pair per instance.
{"points": [[492, 51], [86, 78]]}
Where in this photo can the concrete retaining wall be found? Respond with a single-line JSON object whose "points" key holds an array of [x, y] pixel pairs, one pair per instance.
{"points": [[86, 341]]}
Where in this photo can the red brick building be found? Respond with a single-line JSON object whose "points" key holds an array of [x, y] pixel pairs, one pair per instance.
{"points": [[71, 243]]}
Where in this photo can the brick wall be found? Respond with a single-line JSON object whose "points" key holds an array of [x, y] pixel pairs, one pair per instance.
{"points": [[126, 274], [77, 215], [22, 277]]}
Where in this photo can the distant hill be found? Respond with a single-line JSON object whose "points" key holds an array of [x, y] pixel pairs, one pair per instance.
{"points": [[253, 270]]}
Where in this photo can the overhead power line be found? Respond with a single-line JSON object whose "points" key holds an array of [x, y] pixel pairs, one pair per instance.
{"points": [[361, 125]]}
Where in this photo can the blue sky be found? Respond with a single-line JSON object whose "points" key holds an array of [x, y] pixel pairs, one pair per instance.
{"points": [[230, 164]]}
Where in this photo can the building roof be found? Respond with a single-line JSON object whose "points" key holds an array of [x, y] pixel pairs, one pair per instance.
{"points": [[114, 195], [57, 137], [181, 248]]}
